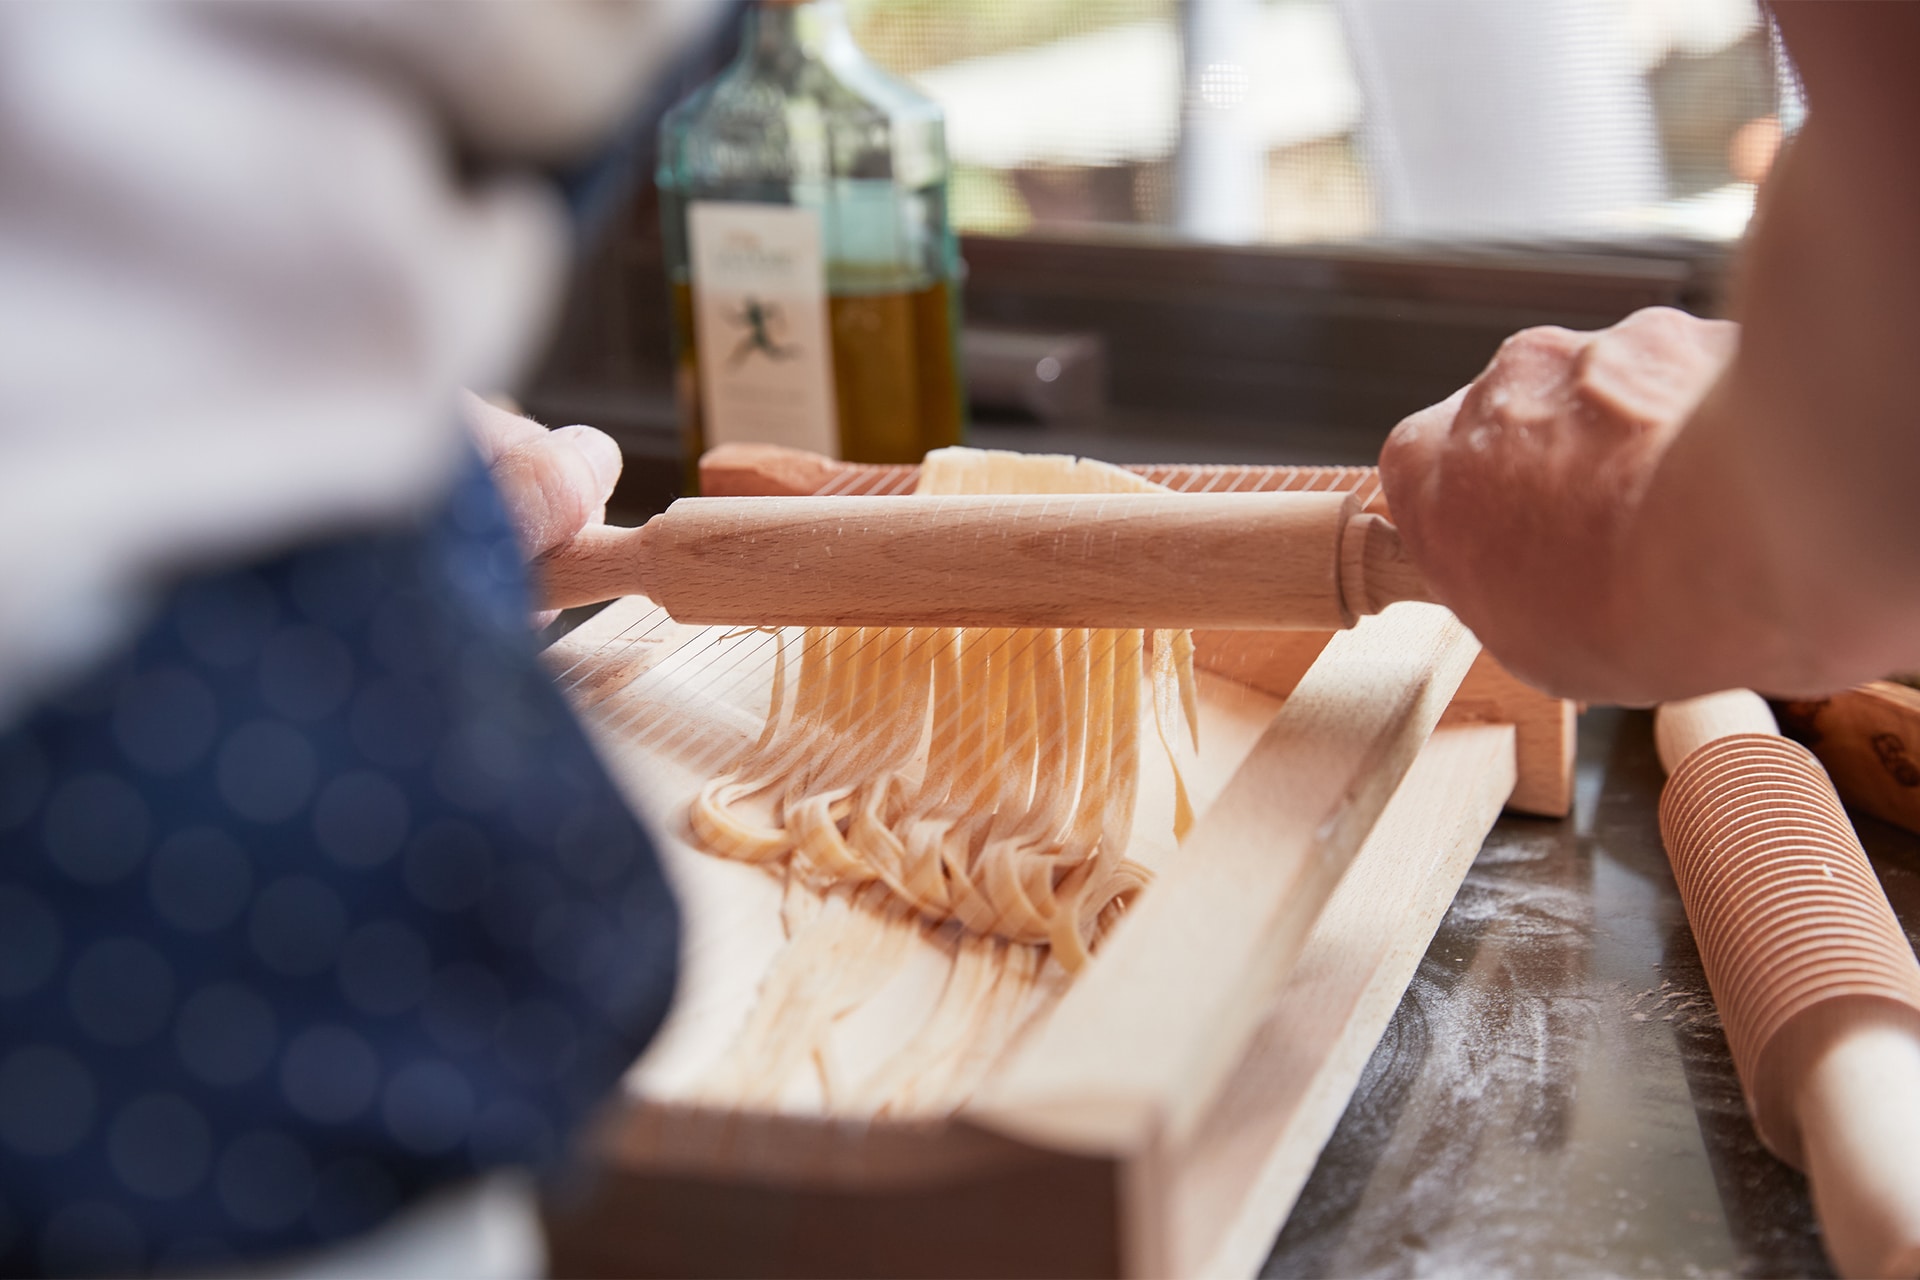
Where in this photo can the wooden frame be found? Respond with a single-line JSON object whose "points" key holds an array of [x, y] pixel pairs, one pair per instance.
{"points": [[1143, 1130], [1164, 1114]]}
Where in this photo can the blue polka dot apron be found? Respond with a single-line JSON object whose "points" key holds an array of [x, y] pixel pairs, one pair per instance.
{"points": [[312, 899]]}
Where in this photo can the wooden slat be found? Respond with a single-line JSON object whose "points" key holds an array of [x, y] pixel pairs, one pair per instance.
{"points": [[1246, 1163], [1138, 1048], [1544, 726]]}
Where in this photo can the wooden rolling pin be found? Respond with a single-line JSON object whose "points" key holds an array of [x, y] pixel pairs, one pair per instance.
{"points": [[1815, 982], [1275, 561]]}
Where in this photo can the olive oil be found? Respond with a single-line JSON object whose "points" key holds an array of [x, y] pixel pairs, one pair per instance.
{"points": [[896, 388], [803, 197]]}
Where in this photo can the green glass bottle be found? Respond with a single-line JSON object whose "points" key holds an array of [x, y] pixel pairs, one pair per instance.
{"points": [[803, 193]]}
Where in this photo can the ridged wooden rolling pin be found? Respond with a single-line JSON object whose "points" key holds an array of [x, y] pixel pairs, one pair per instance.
{"points": [[1225, 560], [1813, 976]]}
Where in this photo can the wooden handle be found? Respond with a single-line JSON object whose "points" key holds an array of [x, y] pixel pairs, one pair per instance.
{"points": [[1375, 570], [1682, 728], [1234, 560], [1815, 982], [602, 562]]}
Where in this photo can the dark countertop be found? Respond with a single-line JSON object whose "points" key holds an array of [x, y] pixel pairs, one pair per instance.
{"points": [[1554, 1094]]}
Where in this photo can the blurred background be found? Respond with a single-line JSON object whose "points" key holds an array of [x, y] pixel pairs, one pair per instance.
{"points": [[1261, 230]]}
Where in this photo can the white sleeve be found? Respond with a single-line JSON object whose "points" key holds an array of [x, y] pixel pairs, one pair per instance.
{"points": [[514, 79], [243, 280]]}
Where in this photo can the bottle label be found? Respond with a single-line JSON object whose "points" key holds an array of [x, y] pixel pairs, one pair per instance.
{"points": [[760, 325]]}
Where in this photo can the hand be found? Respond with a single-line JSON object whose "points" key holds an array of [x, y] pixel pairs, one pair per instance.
{"points": [[554, 483], [1517, 495]]}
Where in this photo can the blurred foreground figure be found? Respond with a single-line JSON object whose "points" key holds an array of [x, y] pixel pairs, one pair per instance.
{"points": [[313, 899], [1675, 506]]}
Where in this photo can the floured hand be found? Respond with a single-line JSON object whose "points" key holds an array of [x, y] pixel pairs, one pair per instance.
{"points": [[554, 483]]}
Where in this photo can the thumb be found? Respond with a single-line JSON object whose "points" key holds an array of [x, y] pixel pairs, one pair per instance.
{"points": [[555, 483], [602, 455]]}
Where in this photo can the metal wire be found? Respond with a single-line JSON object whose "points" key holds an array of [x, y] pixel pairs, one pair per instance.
{"points": [[725, 672]]}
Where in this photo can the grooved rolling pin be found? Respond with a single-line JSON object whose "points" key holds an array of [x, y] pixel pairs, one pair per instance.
{"points": [[1814, 979], [1226, 560]]}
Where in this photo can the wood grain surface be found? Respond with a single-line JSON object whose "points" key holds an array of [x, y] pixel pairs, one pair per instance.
{"points": [[1868, 737], [1240, 1173], [800, 1192], [1812, 975], [1252, 560], [1140, 1045]]}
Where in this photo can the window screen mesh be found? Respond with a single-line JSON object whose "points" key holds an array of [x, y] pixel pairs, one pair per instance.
{"points": [[1296, 121]]}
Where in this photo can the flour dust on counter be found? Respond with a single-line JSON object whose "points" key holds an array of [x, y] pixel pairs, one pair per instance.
{"points": [[1517, 1118]]}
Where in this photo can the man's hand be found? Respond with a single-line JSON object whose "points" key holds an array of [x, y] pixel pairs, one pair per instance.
{"points": [[554, 483], [1517, 495], [1646, 514]]}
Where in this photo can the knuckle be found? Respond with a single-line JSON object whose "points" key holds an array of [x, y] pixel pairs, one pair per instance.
{"points": [[1662, 325], [1543, 337], [568, 481], [1657, 315]]}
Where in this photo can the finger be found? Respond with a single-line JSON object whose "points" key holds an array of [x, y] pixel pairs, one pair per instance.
{"points": [[1410, 463], [1649, 371], [1410, 445], [602, 454], [550, 487], [495, 431]]}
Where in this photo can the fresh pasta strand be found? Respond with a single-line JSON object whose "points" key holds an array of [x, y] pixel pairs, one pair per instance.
{"points": [[1017, 823], [833, 962], [978, 778]]}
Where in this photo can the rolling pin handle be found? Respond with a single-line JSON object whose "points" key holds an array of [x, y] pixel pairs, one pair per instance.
{"points": [[1375, 570], [872, 555], [1859, 1127], [1682, 727], [601, 562]]}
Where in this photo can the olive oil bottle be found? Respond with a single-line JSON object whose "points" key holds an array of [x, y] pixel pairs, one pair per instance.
{"points": [[803, 193]]}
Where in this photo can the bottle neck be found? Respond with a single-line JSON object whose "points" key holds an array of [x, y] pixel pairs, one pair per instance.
{"points": [[778, 31]]}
